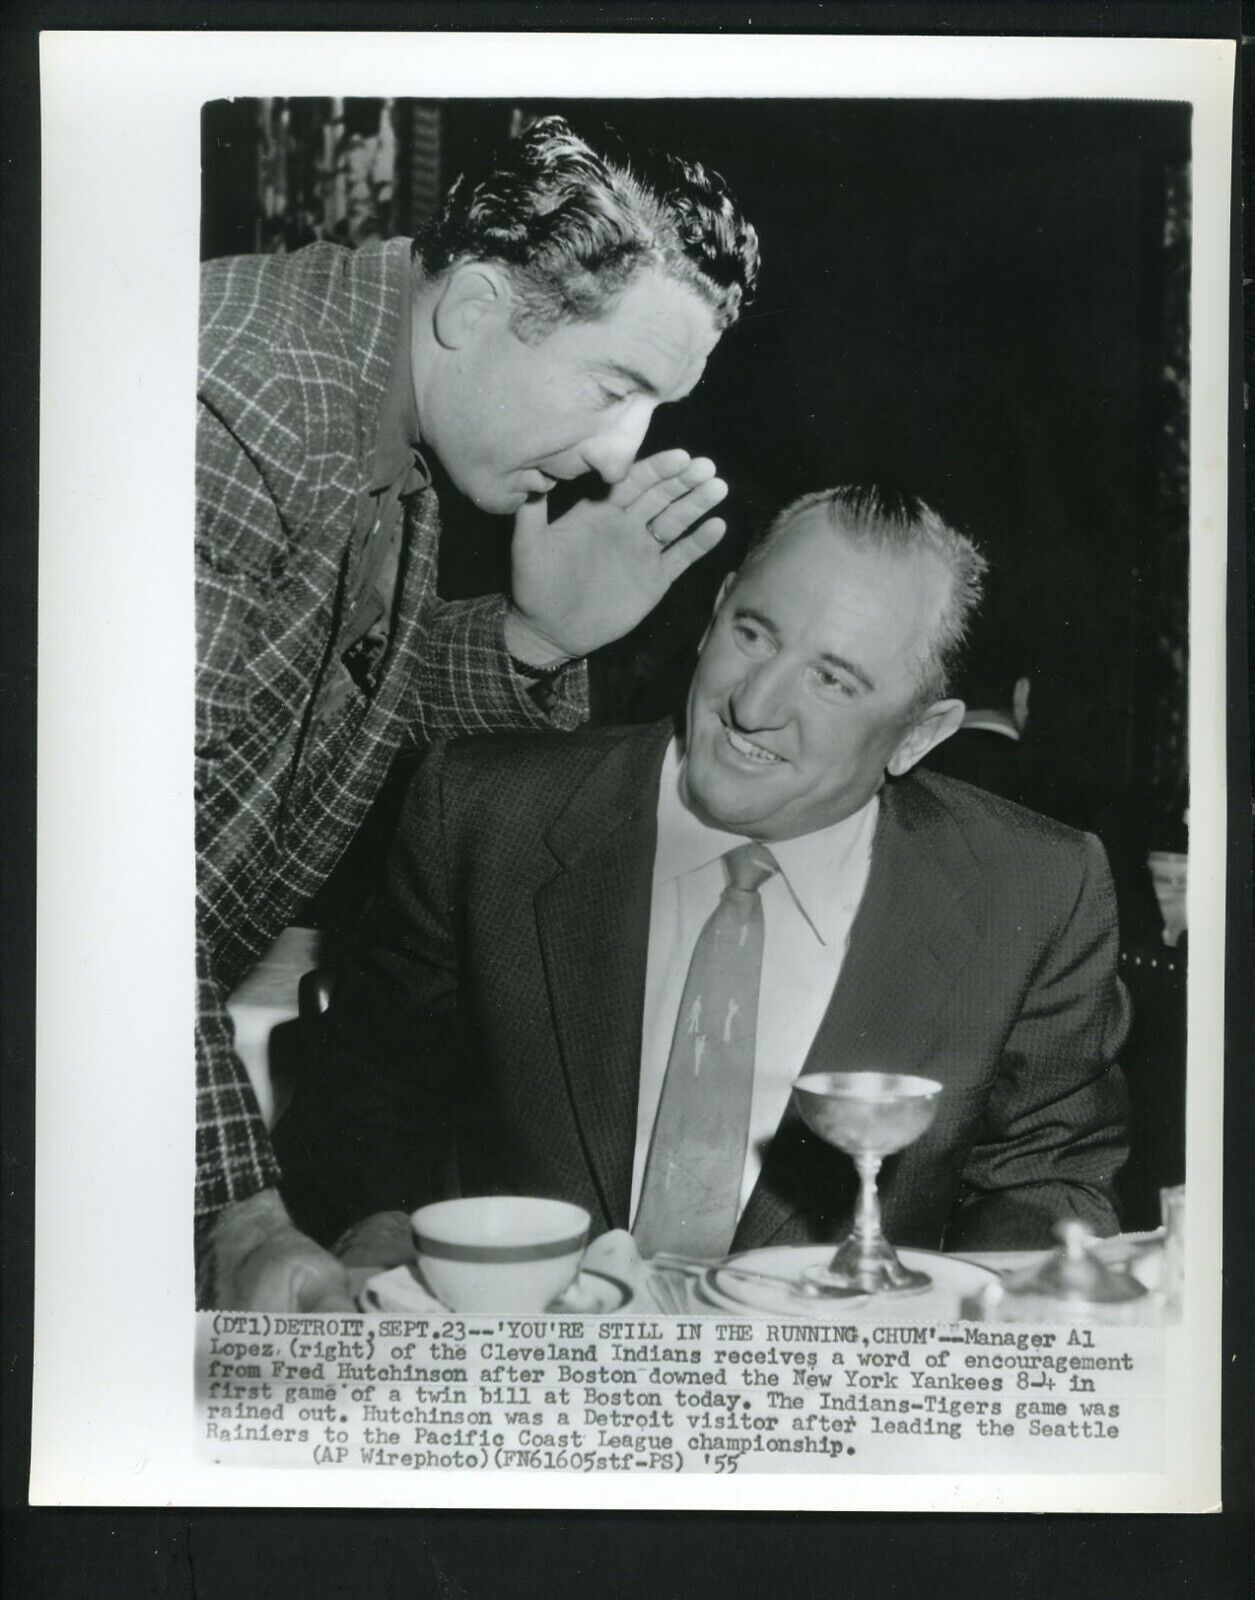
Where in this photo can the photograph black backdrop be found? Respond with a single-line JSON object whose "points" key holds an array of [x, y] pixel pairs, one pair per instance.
{"points": [[985, 302]]}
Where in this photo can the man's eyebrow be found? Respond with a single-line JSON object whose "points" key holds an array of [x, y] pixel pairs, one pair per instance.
{"points": [[763, 622], [633, 376], [842, 665], [828, 657]]}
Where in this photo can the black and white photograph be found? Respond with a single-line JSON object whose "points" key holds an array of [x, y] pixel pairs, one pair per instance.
{"points": [[970, 365], [703, 778]]}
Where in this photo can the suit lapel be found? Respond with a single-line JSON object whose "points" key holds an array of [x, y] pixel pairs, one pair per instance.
{"points": [[592, 918], [912, 932]]}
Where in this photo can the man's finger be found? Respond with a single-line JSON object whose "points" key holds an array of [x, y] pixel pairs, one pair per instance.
{"points": [[532, 517], [327, 1297], [680, 556], [660, 495], [323, 1286], [680, 515], [644, 474], [272, 1282]]}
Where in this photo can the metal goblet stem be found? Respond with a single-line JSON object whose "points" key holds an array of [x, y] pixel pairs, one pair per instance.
{"points": [[867, 1216]]}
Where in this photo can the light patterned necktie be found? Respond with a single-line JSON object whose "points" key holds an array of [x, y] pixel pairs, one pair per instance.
{"points": [[691, 1193]]}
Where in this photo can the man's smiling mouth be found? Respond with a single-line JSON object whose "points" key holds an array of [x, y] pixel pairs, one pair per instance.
{"points": [[751, 751]]}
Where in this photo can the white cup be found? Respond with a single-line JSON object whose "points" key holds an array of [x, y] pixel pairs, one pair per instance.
{"points": [[499, 1252]]}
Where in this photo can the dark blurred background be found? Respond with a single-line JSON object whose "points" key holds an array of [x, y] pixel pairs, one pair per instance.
{"points": [[983, 301]]}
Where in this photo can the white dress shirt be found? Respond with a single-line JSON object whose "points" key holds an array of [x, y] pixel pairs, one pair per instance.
{"points": [[808, 908]]}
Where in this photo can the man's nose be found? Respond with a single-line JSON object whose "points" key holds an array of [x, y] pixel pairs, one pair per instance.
{"points": [[761, 699], [611, 451]]}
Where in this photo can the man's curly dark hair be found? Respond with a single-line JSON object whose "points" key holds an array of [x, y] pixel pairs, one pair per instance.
{"points": [[574, 227]]}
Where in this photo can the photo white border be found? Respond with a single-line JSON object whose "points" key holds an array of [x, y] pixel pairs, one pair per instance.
{"points": [[112, 1420]]}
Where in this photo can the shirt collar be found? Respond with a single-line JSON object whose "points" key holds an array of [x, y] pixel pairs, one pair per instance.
{"points": [[824, 872], [398, 455], [990, 722]]}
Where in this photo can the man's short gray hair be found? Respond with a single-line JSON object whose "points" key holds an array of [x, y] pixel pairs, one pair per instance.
{"points": [[887, 519]]}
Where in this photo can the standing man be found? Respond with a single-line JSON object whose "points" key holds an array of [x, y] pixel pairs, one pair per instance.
{"points": [[525, 339]]}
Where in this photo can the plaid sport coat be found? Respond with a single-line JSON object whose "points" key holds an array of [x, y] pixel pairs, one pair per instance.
{"points": [[496, 1000], [295, 357]]}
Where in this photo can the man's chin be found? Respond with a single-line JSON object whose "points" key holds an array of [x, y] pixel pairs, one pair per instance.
{"points": [[503, 503], [725, 806], [494, 498]]}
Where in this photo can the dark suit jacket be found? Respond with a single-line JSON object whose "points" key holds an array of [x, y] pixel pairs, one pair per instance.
{"points": [[496, 1004], [1018, 770]]}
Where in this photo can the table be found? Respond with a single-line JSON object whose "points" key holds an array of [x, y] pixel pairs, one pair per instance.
{"points": [[615, 1256]]}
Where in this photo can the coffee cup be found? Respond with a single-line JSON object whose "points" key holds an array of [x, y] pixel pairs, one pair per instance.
{"points": [[497, 1253]]}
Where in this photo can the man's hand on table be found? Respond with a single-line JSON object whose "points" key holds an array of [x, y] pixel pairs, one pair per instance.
{"points": [[261, 1262], [383, 1240], [591, 575]]}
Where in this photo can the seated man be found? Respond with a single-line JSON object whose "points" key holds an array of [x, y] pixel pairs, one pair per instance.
{"points": [[602, 960]]}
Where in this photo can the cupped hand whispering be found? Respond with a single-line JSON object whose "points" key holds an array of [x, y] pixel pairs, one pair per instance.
{"points": [[591, 575]]}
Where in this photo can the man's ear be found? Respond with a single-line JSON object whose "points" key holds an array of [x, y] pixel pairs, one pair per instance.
{"points": [[929, 729], [473, 298], [725, 588]]}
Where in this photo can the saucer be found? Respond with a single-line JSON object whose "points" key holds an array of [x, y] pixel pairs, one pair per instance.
{"points": [[952, 1279], [400, 1289]]}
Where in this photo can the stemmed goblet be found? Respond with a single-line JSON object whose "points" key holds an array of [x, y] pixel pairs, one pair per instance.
{"points": [[869, 1115]]}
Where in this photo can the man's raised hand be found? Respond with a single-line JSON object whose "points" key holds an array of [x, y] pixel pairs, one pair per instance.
{"points": [[590, 576]]}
